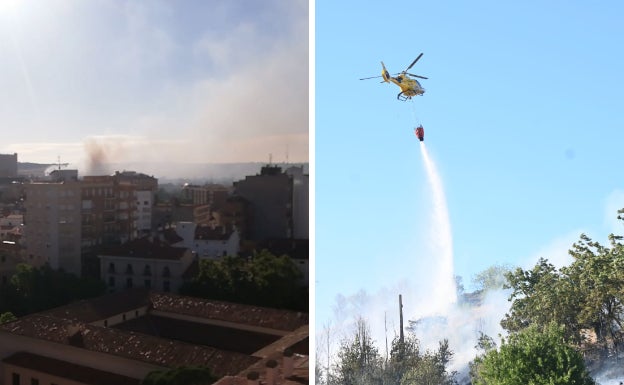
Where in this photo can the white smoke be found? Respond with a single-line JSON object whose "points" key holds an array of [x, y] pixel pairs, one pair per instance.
{"points": [[429, 297]]}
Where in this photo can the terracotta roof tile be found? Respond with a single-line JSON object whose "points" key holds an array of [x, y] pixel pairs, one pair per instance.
{"points": [[277, 319], [154, 350]]}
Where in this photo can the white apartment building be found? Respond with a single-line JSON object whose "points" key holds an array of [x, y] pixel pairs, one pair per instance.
{"points": [[145, 264]]}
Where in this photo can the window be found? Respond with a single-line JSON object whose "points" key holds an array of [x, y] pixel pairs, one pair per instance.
{"points": [[129, 269], [111, 281], [15, 379], [147, 270], [105, 323], [34, 381], [166, 272], [166, 286], [148, 284], [129, 283], [111, 267]]}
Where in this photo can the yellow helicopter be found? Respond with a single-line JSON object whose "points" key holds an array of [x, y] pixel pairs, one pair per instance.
{"points": [[409, 86]]}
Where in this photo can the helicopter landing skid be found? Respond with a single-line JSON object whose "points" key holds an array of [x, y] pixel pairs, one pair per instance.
{"points": [[403, 97]]}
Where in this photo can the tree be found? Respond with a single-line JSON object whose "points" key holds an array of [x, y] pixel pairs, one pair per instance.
{"points": [[597, 275], [586, 295], [533, 356], [431, 368], [485, 344], [358, 362], [403, 356], [541, 296], [7, 317], [492, 278], [33, 289], [262, 280], [186, 375]]}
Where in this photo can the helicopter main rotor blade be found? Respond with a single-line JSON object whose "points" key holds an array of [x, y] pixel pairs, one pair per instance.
{"points": [[416, 76], [414, 62], [371, 77]]}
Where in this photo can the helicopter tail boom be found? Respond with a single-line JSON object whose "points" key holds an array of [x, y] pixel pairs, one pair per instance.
{"points": [[384, 73]]}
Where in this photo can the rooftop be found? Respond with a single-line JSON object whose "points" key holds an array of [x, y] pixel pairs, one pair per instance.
{"points": [[72, 325], [285, 320], [68, 370], [216, 233], [137, 346], [146, 249]]}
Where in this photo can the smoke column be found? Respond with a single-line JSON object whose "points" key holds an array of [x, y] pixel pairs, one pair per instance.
{"points": [[444, 292]]}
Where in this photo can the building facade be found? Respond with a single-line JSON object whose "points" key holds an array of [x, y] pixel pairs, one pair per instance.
{"points": [[270, 197], [8, 165], [53, 225], [209, 194], [145, 264], [300, 202]]}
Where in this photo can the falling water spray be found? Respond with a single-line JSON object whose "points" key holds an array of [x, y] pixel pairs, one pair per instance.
{"points": [[444, 293]]}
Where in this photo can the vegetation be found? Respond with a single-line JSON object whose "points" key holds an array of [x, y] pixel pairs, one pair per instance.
{"points": [[7, 317], [189, 375], [533, 356], [586, 297], [262, 280], [359, 362], [34, 289], [559, 321]]}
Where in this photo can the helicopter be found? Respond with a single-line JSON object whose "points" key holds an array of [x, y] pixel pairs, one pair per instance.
{"points": [[409, 86]]}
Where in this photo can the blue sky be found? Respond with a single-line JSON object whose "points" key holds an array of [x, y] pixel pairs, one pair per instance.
{"points": [[192, 81], [523, 119]]}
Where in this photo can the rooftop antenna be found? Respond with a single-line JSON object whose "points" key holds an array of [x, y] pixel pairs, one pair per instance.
{"points": [[286, 153], [270, 159]]}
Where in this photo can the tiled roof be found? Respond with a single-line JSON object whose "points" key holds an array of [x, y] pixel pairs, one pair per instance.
{"points": [[285, 320], [217, 233], [103, 307], [171, 237], [70, 325], [68, 370], [136, 346]]}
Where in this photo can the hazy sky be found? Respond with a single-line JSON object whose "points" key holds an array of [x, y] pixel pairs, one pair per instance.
{"points": [[523, 120], [191, 81]]}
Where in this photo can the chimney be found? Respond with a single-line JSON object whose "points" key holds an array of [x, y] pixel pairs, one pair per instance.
{"points": [[74, 335], [288, 362], [271, 372], [253, 378]]}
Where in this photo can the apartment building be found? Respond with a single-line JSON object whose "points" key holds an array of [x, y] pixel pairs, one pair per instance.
{"points": [[53, 225], [270, 197], [8, 165], [145, 263]]}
